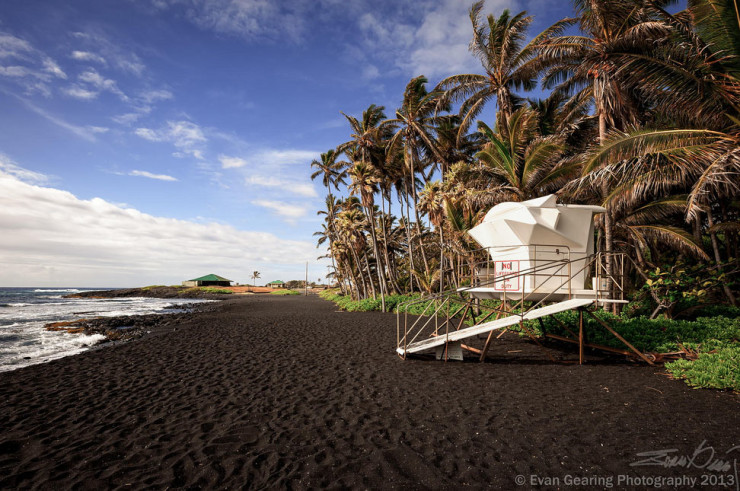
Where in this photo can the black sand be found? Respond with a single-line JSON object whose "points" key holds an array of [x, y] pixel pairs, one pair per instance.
{"points": [[285, 392]]}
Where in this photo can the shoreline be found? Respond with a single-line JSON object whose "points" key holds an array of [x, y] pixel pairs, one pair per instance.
{"points": [[276, 391]]}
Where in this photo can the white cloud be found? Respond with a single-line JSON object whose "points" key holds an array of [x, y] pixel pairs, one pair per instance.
{"points": [[88, 56], [288, 211], [85, 132], [13, 47], [51, 237], [148, 134], [244, 18], [231, 162], [430, 40], [114, 55], [370, 72], [94, 79], [274, 157], [127, 119], [80, 92], [186, 136], [159, 177], [15, 71], [150, 96], [50, 66], [10, 168], [28, 67], [289, 187]]}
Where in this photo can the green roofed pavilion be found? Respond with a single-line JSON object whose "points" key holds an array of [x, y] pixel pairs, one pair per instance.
{"points": [[208, 280], [276, 284]]}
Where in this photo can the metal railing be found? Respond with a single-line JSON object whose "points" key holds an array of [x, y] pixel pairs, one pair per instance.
{"points": [[555, 285]]}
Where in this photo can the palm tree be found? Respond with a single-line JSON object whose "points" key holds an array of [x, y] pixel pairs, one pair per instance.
{"points": [[332, 208], [351, 224], [329, 169], [522, 164], [497, 43], [367, 143], [591, 65], [365, 183], [255, 275], [431, 203], [415, 123]]}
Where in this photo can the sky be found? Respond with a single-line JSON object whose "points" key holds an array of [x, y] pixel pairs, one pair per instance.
{"points": [[153, 141]]}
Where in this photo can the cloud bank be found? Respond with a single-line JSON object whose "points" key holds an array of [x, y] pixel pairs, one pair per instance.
{"points": [[51, 237]]}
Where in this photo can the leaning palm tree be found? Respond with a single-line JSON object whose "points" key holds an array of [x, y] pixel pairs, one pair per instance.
{"points": [[507, 65], [591, 66], [254, 277]]}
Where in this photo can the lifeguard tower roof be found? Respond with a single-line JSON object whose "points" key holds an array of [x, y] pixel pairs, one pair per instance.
{"points": [[537, 221]]}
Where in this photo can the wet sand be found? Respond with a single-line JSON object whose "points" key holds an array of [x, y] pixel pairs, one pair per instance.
{"points": [[286, 392]]}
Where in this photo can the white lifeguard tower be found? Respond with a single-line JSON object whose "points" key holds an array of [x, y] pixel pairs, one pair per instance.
{"points": [[540, 261], [538, 249]]}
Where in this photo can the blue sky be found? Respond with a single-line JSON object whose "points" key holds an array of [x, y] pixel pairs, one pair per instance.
{"points": [[151, 141]]}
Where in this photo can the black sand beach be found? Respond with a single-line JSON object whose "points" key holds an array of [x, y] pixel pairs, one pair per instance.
{"points": [[286, 392]]}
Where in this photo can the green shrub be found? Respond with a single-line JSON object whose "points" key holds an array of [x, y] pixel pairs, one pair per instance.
{"points": [[209, 289], [716, 369]]}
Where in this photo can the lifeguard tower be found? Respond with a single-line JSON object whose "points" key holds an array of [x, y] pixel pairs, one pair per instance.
{"points": [[539, 260]]}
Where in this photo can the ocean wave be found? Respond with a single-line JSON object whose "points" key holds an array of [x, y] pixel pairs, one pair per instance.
{"points": [[52, 290]]}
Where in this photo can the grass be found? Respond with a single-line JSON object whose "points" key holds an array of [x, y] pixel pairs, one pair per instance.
{"points": [[716, 339], [285, 292]]}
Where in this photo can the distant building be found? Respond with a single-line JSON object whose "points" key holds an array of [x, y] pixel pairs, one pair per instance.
{"points": [[208, 280], [276, 284]]}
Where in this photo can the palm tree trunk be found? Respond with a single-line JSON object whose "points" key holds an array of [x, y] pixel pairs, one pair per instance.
{"points": [[608, 220], [391, 276], [421, 242], [717, 257], [412, 155], [369, 275], [697, 227], [378, 262], [409, 244], [359, 272], [441, 260]]}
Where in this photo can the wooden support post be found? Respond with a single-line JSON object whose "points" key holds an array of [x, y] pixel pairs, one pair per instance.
{"points": [[534, 338], [542, 326], [616, 335], [488, 341], [589, 345], [465, 314], [566, 328], [580, 336]]}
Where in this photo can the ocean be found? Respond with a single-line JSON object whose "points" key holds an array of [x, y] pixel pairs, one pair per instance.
{"points": [[25, 311]]}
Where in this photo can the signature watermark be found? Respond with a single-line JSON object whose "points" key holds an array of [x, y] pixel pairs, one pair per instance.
{"points": [[704, 467]]}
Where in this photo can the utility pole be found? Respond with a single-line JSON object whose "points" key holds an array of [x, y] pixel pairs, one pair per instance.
{"points": [[306, 278]]}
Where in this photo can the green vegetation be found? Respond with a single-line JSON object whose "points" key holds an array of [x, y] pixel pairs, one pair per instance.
{"points": [[718, 368], [150, 287], [285, 292], [207, 289], [641, 116]]}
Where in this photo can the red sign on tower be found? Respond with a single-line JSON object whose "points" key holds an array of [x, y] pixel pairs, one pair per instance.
{"points": [[506, 274]]}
